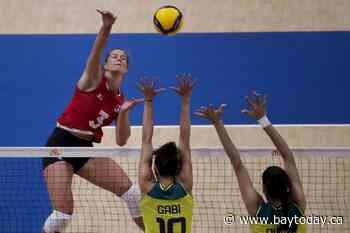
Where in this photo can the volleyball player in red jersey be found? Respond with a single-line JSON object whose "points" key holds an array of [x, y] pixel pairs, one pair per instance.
{"points": [[97, 101]]}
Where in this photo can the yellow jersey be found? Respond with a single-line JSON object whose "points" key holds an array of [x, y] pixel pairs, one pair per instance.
{"points": [[167, 210], [267, 215]]}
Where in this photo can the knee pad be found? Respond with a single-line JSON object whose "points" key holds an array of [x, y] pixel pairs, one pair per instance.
{"points": [[57, 222], [132, 198]]}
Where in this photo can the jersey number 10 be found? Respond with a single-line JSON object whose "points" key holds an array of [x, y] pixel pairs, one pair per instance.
{"points": [[170, 225]]}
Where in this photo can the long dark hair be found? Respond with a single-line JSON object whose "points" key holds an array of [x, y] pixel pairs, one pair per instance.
{"points": [[167, 159], [277, 187]]}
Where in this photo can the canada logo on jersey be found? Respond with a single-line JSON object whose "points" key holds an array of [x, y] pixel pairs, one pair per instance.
{"points": [[117, 109], [99, 96], [99, 120]]}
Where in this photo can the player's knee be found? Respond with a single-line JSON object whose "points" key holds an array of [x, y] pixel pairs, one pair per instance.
{"points": [[139, 222], [132, 198], [57, 222], [124, 187]]}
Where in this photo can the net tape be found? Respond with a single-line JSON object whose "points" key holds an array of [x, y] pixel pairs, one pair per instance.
{"points": [[32, 152]]}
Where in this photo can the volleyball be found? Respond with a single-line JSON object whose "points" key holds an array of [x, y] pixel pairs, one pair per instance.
{"points": [[168, 20]]}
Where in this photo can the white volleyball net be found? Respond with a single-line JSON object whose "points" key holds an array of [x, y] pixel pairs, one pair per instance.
{"points": [[25, 203]]}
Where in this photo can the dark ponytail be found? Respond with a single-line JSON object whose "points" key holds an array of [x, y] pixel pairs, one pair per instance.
{"points": [[277, 186], [285, 227]]}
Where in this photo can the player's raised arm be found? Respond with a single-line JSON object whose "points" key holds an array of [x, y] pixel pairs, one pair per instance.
{"points": [[122, 129], [92, 73], [257, 104], [184, 89], [147, 86], [251, 198]]}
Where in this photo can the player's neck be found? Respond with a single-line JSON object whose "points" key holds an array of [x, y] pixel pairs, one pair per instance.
{"points": [[114, 81], [166, 181], [276, 203]]}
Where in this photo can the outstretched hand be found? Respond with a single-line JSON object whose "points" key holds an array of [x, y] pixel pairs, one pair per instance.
{"points": [[185, 85], [129, 104], [211, 113], [108, 18], [148, 87], [257, 104]]}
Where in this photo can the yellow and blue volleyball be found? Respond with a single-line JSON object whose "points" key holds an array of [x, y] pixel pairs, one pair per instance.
{"points": [[168, 20]]}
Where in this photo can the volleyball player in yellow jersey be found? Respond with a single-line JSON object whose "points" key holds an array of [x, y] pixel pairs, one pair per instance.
{"points": [[167, 203], [282, 187]]}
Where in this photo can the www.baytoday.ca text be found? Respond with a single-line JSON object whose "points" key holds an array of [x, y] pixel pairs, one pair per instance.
{"points": [[231, 219]]}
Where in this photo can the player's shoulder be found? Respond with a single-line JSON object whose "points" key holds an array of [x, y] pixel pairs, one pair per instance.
{"points": [[172, 192], [89, 82]]}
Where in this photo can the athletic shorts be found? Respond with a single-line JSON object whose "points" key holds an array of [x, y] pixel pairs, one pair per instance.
{"points": [[63, 138]]}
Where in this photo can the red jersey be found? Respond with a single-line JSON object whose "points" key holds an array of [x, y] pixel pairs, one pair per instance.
{"points": [[88, 111]]}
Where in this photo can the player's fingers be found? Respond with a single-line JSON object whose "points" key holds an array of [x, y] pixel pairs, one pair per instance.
{"points": [[256, 96], [155, 81], [222, 107], [110, 14], [138, 100], [180, 79], [200, 114], [250, 102], [247, 112], [152, 82], [149, 83], [193, 83], [183, 81], [106, 12], [187, 78], [203, 108], [255, 93], [174, 88], [259, 98], [264, 100], [114, 17], [160, 90], [211, 108], [190, 79], [99, 11], [141, 80], [146, 81], [140, 86]]}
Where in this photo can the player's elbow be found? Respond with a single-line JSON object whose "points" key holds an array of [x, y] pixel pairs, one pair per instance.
{"points": [[238, 166], [122, 139], [146, 139], [121, 142]]}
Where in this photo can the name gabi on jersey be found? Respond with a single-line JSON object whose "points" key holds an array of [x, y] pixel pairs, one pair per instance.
{"points": [[169, 209]]}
